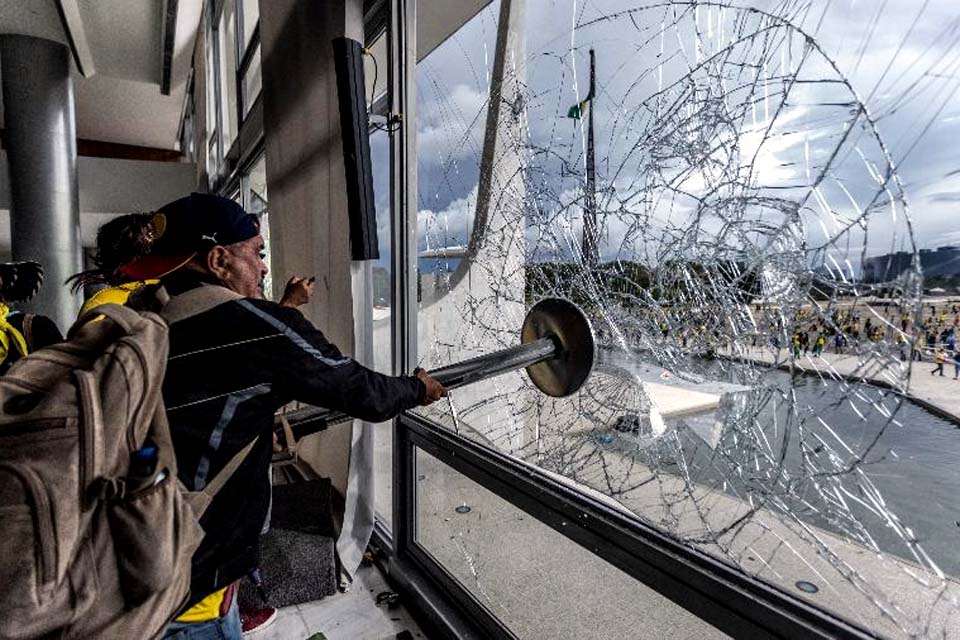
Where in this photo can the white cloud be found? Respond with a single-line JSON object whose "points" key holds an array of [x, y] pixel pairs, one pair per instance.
{"points": [[448, 227], [451, 127]]}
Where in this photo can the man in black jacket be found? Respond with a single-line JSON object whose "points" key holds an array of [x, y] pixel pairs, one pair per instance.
{"points": [[234, 360]]}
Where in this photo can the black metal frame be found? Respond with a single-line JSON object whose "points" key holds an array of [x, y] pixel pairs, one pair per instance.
{"points": [[213, 9], [401, 41], [245, 56], [234, 158], [169, 31], [431, 607], [717, 592]]}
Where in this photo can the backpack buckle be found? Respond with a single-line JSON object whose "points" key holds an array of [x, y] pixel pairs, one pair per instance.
{"points": [[106, 489]]}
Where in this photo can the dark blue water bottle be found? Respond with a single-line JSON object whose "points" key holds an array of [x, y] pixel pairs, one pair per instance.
{"points": [[143, 463]]}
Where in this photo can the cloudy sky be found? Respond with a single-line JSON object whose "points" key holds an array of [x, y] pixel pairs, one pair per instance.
{"points": [[692, 97]]}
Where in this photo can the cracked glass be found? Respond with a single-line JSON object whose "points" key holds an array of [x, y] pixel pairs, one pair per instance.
{"points": [[748, 201], [497, 552]]}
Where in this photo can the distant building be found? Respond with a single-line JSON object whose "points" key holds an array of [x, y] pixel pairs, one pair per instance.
{"points": [[941, 262]]}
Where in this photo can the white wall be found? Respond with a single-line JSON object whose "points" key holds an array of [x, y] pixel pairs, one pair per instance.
{"points": [[109, 188]]}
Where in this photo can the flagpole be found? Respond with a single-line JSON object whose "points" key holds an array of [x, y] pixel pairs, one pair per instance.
{"points": [[590, 251]]}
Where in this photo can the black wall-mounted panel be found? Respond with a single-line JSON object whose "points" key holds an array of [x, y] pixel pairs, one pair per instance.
{"points": [[354, 126]]}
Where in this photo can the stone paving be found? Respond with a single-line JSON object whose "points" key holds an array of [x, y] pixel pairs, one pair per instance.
{"points": [[939, 394]]}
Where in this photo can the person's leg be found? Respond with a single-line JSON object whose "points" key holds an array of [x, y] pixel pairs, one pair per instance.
{"points": [[230, 623], [226, 627], [209, 630]]}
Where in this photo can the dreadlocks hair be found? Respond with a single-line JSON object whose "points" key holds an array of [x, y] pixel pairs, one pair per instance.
{"points": [[118, 242]]}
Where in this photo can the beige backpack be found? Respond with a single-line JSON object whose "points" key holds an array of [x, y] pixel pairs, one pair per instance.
{"points": [[97, 533]]}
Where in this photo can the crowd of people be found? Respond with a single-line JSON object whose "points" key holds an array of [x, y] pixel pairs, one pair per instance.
{"points": [[932, 337], [234, 360], [927, 334]]}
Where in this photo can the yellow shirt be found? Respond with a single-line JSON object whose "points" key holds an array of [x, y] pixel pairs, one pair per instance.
{"points": [[113, 295], [206, 609]]}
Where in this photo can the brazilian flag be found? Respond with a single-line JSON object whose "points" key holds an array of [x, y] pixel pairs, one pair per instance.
{"points": [[576, 111]]}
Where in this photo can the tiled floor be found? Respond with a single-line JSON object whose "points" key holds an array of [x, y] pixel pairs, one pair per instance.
{"points": [[346, 616]]}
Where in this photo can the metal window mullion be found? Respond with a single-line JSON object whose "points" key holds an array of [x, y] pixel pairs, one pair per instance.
{"points": [[247, 54], [238, 11], [238, 57], [404, 182], [242, 72], [401, 78], [215, 9]]}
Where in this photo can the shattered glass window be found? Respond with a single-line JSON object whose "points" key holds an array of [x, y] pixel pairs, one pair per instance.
{"points": [[565, 588], [748, 200]]}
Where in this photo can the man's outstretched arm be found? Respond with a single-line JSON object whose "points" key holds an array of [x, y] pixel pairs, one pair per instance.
{"points": [[311, 369]]}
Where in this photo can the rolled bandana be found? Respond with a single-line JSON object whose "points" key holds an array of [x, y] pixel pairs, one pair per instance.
{"points": [[9, 334]]}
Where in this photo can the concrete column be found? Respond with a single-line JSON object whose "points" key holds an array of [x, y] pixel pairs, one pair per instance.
{"points": [[309, 225], [42, 152], [310, 231]]}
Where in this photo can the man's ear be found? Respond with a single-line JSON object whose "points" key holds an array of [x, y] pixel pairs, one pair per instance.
{"points": [[218, 262]]}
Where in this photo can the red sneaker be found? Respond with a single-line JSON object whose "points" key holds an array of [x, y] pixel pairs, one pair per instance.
{"points": [[256, 619]]}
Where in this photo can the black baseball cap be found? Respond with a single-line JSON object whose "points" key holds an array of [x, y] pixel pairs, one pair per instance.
{"points": [[187, 227]]}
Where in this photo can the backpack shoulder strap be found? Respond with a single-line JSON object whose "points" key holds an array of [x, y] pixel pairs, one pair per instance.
{"points": [[196, 301], [213, 487], [124, 317], [28, 331]]}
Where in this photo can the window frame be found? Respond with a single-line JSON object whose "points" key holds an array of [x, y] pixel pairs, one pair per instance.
{"points": [[211, 57], [245, 57], [221, 7], [717, 592], [187, 130], [220, 171]]}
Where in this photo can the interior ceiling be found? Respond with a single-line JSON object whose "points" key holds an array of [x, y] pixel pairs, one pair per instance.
{"points": [[121, 102], [124, 38]]}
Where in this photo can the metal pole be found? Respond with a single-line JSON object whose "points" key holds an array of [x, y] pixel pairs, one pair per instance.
{"points": [[42, 154], [476, 369], [590, 252], [494, 364]]}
